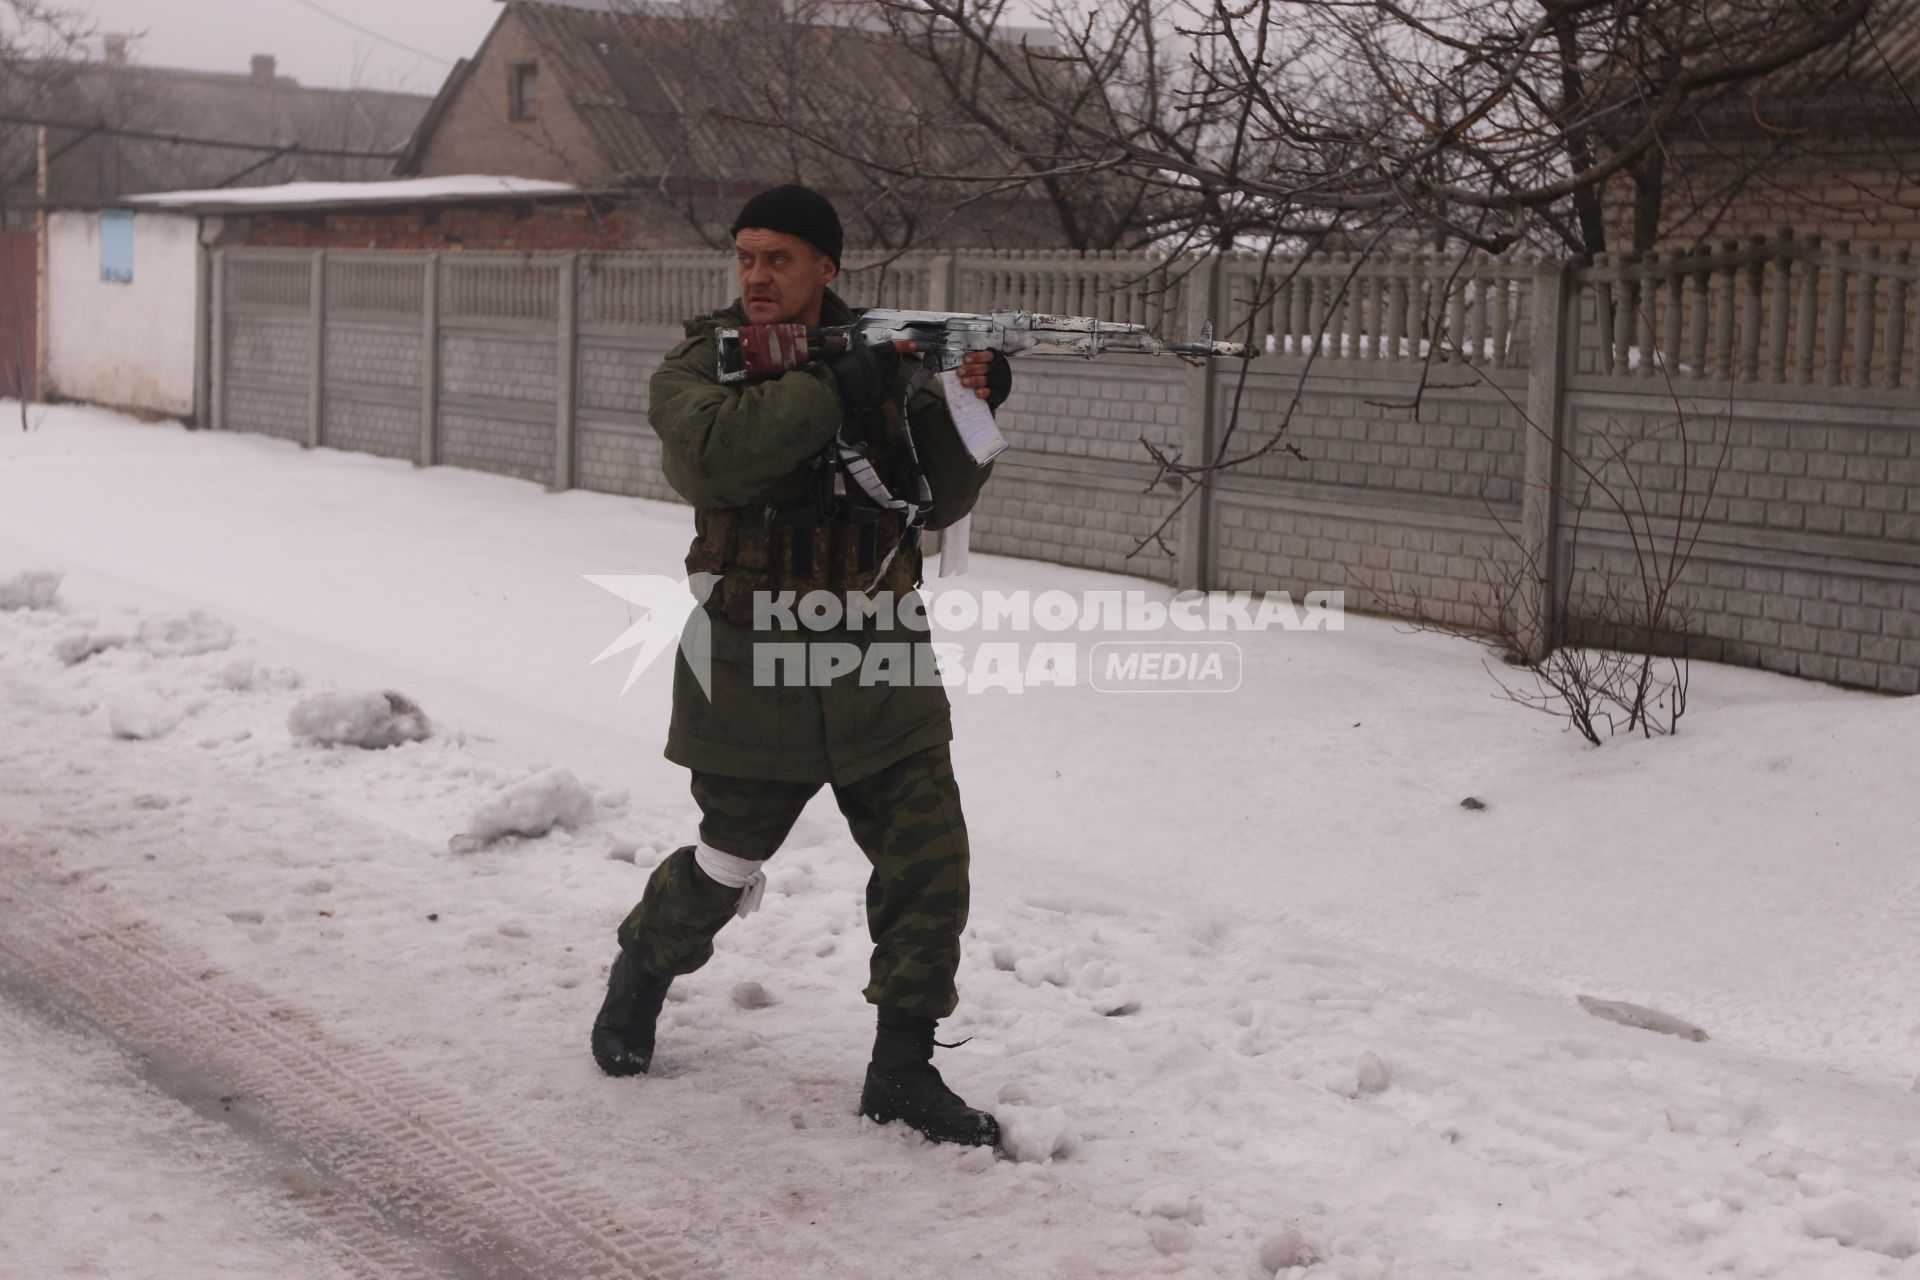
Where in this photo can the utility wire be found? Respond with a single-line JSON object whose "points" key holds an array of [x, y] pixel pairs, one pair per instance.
{"points": [[372, 34], [191, 140]]}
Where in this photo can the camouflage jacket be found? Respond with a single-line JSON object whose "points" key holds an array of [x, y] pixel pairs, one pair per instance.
{"points": [[742, 452]]}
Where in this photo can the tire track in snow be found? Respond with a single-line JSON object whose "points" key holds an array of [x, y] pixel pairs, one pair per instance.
{"points": [[413, 1180]]}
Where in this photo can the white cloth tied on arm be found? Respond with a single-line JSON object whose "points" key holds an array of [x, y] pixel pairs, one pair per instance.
{"points": [[735, 873]]}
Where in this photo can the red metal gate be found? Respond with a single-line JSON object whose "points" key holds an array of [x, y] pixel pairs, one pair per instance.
{"points": [[19, 269]]}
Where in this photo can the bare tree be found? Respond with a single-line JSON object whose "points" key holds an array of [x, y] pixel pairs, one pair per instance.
{"points": [[724, 98], [37, 40], [1470, 122], [38, 43]]}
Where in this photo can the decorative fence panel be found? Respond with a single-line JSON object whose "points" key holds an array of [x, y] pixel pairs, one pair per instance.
{"points": [[1430, 435]]}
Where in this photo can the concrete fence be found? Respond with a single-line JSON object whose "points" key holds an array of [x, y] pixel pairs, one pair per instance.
{"points": [[1452, 429]]}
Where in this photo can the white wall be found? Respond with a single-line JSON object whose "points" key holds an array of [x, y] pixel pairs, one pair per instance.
{"points": [[130, 346]]}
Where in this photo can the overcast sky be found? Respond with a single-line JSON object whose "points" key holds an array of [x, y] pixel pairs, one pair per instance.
{"points": [[222, 35]]}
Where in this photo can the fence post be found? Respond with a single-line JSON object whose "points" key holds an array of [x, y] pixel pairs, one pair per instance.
{"points": [[569, 310], [202, 317], [1548, 343], [317, 387], [1194, 569], [940, 273], [217, 357], [430, 364]]}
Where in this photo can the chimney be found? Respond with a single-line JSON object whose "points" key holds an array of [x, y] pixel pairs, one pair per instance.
{"points": [[264, 68], [114, 47]]}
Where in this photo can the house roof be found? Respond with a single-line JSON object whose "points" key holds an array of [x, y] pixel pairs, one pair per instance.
{"points": [[655, 88], [1882, 54], [273, 111], [466, 189]]}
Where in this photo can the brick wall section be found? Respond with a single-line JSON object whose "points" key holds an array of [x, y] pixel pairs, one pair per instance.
{"points": [[516, 447], [374, 356], [476, 135], [1809, 560], [521, 226], [366, 426], [1829, 620], [613, 374], [269, 411], [623, 460], [1789, 468], [1044, 514], [1859, 188], [269, 349], [1385, 562], [500, 366], [615, 451], [1391, 509], [1071, 488], [1071, 409], [270, 363], [1360, 435]]}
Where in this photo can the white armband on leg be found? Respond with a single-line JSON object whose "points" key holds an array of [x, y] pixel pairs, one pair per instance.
{"points": [[953, 547], [736, 873]]}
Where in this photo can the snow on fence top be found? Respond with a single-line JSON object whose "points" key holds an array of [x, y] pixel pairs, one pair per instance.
{"points": [[302, 195]]}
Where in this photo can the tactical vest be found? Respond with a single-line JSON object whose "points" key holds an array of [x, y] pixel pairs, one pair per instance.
{"points": [[803, 534]]}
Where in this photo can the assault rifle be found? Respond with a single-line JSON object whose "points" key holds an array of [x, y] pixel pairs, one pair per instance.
{"points": [[945, 337]]}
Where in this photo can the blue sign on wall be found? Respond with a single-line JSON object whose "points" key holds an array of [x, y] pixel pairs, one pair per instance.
{"points": [[116, 246]]}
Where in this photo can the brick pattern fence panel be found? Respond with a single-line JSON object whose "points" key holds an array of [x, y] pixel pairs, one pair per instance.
{"points": [[615, 450], [264, 373], [271, 359], [499, 400], [373, 388], [1808, 520], [1403, 513], [1808, 560], [1072, 486]]}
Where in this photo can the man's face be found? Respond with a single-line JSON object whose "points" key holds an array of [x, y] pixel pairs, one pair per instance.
{"points": [[782, 278]]}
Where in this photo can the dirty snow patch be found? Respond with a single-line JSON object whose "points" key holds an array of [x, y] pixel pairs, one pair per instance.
{"points": [[552, 798], [1859, 1223], [32, 589], [140, 718], [362, 719], [1033, 1134], [184, 635], [81, 645]]}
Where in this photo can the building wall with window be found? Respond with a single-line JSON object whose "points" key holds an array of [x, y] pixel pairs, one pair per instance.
{"points": [[507, 112], [124, 306]]}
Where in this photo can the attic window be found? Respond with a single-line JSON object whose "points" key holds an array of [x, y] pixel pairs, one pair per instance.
{"points": [[523, 91]]}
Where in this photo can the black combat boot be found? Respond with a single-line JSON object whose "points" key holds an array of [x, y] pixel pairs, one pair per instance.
{"points": [[902, 1084], [623, 1033]]}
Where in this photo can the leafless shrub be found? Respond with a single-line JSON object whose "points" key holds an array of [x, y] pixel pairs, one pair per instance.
{"points": [[1599, 635]]}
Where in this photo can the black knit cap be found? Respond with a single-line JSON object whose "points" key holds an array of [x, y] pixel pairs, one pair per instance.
{"points": [[795, 211]]}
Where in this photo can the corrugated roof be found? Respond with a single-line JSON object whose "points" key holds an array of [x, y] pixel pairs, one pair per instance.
{"points": [[198, 104], [657, 93], [457, 189], [1883, 53]]}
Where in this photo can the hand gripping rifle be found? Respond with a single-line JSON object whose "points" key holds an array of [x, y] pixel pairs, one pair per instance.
{"points": [[945, 337], [942, 339]]}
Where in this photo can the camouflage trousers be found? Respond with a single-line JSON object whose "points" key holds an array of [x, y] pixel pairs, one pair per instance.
{"points": [[906, 819]]}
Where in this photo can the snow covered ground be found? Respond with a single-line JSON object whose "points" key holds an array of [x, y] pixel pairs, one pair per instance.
{"points": [[1242, 963]]}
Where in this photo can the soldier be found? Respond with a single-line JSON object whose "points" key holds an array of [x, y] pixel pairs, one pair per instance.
{"points": [[773, 513]]}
